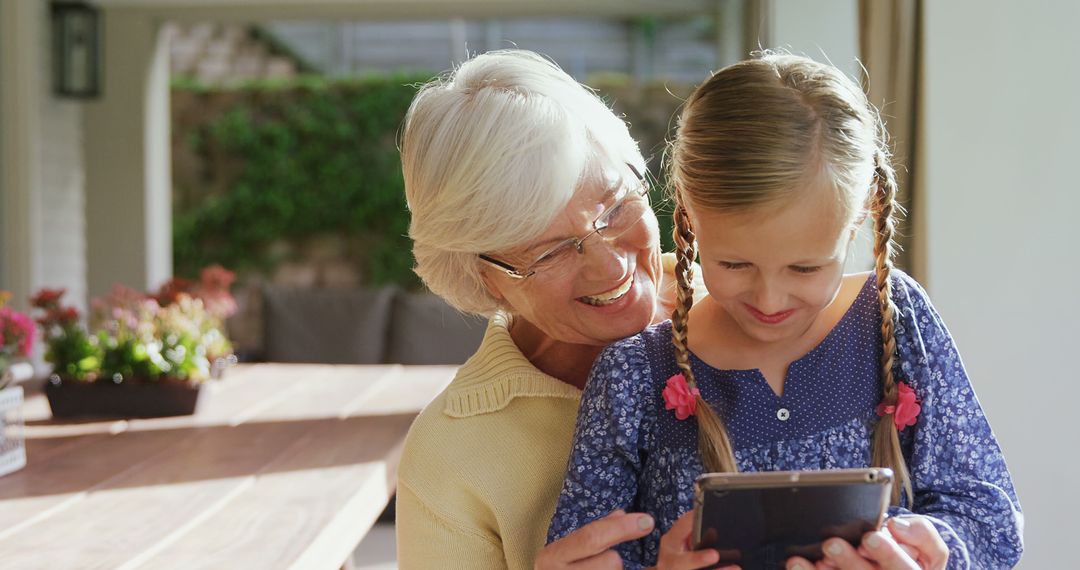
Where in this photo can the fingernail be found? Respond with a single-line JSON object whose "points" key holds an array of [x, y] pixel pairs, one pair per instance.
{"points": [[901, 524], [797, 566], [644, 522], [873, 541], [834, 548]]}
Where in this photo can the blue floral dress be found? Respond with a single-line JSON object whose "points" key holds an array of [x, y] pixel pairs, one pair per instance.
{"points": [[631, 453]]}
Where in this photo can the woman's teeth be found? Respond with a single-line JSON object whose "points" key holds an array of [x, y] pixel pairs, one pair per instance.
{"points": [[609, 297]]}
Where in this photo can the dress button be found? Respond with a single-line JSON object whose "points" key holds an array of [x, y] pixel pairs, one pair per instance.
{"points": [[783, 414]]}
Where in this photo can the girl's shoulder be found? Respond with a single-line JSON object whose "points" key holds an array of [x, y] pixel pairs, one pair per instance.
{"points": [[638, 355], [915, 311], [647, 344], [906, 290], [921, 334], [909, 296]]}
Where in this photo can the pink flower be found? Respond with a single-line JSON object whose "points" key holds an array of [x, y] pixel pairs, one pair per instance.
{"points": [[906, 411], [16, 332], [25, 326], [171, 290], [47, 298], [217, 278], [680, 397]]}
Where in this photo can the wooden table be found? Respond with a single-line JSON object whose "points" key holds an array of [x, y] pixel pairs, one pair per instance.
{"points": [[284, 466]]}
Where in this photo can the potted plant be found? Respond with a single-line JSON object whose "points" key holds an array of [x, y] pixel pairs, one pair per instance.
{"points": [[16, 342], [141, 355]]}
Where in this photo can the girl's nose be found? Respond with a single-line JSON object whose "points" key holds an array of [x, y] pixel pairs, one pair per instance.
{"points": [[769, 298]]}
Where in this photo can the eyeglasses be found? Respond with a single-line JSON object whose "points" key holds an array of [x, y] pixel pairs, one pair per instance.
{"points": [[626, 207]]}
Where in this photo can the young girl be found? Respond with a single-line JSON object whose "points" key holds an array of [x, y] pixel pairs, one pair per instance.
{"points": [[789, 363]]}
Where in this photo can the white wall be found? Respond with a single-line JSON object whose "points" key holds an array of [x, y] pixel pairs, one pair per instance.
{"points": [[62, 225], [1002, 198], [42, 185], [20, 62], [825, 31], [128, 166]]}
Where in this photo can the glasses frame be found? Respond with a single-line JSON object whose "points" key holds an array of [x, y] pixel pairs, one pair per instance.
{"points": [[578, 243]]}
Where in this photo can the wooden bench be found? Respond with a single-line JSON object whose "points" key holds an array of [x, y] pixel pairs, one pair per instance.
{"points": [[284, 466]]}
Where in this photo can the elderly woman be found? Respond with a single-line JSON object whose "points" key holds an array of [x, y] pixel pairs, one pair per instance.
{"points": [[529, 206]]}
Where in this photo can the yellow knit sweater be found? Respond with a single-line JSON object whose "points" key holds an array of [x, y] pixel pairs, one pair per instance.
{"points": [[484, 462]]}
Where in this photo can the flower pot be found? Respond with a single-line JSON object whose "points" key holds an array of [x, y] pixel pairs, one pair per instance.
{"points": [[127, 399], [12, 444]]}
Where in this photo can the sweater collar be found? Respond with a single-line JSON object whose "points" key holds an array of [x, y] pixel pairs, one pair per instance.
{"points": [[497, 374]]}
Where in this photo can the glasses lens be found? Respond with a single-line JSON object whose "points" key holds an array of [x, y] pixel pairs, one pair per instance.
{"points": [[630, 207], [623, 216]]}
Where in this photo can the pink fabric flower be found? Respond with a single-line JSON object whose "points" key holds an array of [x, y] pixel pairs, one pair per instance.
{"points": [[680, 397], [906, 411]]}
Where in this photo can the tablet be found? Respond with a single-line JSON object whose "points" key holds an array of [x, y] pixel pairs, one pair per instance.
{"points": [[759, 520]]}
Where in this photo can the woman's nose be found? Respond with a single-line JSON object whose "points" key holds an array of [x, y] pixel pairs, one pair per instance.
{"points": [[604, 259]]}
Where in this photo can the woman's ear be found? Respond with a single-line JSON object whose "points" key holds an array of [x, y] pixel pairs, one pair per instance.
{"points": [[491, 284]]}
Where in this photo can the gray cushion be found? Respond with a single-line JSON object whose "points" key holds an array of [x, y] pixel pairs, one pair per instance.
{"points": [[426, 330], [334, 326]]}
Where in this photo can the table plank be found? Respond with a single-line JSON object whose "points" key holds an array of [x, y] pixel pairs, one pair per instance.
{"points": [[286, 441], [329, 508], [297, 515], [68, 459], [409, 391], [150, 500]]}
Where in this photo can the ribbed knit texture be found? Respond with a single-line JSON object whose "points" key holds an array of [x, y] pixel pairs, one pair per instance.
{"points": [[483, 464]]}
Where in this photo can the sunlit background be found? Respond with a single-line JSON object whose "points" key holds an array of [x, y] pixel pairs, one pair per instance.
{"points": [[261, 135]]}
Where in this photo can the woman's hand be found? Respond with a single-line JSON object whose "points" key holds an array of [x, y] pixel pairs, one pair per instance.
{"points": [[675, 550], [907, 543], [590, 547]]}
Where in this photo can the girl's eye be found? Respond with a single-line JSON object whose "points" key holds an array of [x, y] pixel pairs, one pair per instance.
{"points": [[731, 265], [801, 269]]}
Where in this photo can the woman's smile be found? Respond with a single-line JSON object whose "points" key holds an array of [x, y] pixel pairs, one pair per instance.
{"points": [[609, 297]]}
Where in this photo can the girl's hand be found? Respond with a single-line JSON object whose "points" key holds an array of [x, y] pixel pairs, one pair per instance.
{"points": [[675, 552], [907, 543], [590, 547]]}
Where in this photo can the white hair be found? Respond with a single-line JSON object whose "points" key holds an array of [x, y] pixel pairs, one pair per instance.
{"points": [[491, 153]]}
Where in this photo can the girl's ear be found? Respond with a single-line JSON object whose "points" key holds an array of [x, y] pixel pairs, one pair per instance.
{"points": [[854, 231], [858, 223], [690, 218]]}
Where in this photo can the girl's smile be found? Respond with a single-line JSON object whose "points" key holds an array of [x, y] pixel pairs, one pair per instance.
{"points": [[773, 319]]}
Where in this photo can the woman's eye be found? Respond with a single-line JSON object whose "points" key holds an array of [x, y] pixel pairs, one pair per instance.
{"points": [[733, 265], [611, 218], [805, 269], [554, 257]]}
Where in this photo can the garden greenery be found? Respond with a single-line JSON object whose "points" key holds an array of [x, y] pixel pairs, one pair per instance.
{"points": [[301, 158], [285, 161]]}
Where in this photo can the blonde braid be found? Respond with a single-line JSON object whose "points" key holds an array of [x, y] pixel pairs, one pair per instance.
{"points": [[714, 444], [885, 451]]}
